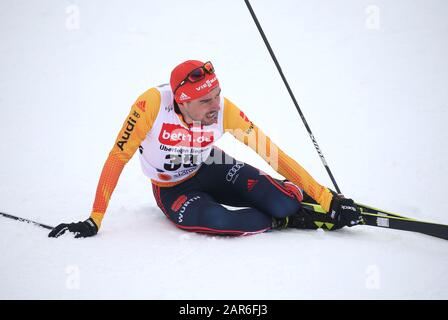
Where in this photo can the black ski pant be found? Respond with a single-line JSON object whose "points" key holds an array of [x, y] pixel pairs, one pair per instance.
{"points": [[197, 204]]}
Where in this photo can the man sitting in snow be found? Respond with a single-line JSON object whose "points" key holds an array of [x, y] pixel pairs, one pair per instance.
{"points": [[174, 127]]}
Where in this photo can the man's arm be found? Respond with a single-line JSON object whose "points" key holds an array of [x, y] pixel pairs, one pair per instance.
{"points": [[237, 123], [138, 123]]}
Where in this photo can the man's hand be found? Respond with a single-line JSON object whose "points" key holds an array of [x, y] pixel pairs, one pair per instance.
{"points": [[345, 212], [81, 229]]}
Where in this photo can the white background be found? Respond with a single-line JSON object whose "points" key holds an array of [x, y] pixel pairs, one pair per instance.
{"points": [[370, 77]]}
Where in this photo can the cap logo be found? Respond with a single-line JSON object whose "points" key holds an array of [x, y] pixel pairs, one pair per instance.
{"points": [[183, 96], [206, 84]]}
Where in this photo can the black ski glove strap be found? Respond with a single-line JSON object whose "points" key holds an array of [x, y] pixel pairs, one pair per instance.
{"points": [[81, 229], [345, 212]]}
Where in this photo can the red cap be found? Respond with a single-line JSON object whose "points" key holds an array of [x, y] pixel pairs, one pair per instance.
{"points": [[190, 91]]}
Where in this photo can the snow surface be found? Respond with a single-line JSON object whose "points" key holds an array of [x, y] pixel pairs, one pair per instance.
{"points": [[370, 76]]}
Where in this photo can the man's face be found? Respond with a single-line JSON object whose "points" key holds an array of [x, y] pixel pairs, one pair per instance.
{"points": [[204, 109]]}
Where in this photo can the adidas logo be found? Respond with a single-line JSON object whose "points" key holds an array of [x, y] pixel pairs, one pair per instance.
{"points": [[142, 105], [251, 184], [183, 96]]}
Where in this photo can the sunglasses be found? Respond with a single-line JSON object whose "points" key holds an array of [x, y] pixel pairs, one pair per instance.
{"points": [[197, 74]]}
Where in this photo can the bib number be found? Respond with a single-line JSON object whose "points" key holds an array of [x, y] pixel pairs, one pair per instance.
{"points": [[176, 161]]}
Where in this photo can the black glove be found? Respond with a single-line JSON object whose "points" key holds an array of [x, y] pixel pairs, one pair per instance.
{"points": [[345, 212], [81, 229]]}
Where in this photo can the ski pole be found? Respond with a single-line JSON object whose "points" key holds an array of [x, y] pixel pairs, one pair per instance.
{"points": [[25, 220], [313, 139]]}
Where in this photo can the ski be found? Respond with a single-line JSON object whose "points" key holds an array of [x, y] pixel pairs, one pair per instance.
{"points": [[405, 224], [26, 220], [372, 217], [378, 218], [370, 209]]}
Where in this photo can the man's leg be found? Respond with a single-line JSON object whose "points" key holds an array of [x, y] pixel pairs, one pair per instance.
{"points": [[239, 184], [196, 211]]}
